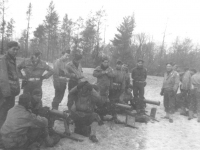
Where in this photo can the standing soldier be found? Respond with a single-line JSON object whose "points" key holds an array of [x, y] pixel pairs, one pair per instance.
{"points": [[74, 69], [104, 75], [169, 89], [196, 88], [59, 78], [34, 69], [185, 89], [118, 83], [139, 75], [9, 81]]}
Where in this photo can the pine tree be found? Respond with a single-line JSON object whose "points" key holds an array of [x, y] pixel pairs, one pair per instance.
{"points": [[10, 30], [122, 40]]}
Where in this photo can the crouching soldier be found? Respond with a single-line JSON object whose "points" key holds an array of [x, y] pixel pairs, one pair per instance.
{"points": [[86, 120], [23, 129], [34, 69]]}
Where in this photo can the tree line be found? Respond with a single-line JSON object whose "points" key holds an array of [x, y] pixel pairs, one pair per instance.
{"points": [[53, 36]]}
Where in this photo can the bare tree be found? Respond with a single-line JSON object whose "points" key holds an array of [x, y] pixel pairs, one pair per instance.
{"points": [[3, 8], [142, 38], [28, 13]]}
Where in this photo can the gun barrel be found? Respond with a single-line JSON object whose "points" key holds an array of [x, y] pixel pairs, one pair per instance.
{"points": [[123, 106], [57, 113], [152, 102]]}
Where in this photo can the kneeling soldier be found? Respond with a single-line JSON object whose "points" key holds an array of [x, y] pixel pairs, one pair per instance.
{"points": [[84, 117], [22, 128]]}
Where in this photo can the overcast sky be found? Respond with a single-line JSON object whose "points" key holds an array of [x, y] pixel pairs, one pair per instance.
{"points": [[182, 17]]}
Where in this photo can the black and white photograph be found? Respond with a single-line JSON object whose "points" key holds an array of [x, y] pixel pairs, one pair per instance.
{"points": [[99, 75]]}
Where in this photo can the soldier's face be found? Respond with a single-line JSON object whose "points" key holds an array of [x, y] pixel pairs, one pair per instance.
{"points": [[119, 66], [35, 59], [37, 97], [13, 51], [65, 57], [169, 67], [140, 64], [105, 63]]}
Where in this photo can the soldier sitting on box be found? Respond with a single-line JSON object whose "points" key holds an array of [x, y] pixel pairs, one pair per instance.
{"points": [[34, 69], [85, 98]]}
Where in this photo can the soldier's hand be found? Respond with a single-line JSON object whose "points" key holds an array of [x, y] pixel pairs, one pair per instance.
{"points": [[162, 92]]}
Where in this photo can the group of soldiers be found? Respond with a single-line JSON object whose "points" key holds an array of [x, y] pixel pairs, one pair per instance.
{"points": [[188, 100], [24, 125]]}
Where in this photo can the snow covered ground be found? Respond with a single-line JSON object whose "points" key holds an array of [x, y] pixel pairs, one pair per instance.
{"points": [[180, 135]]}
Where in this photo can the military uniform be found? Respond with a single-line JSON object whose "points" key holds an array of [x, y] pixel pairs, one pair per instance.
{"points": [[104, 81], [169, 88], [139, 76], [59, 81], [34, 74], [13, 84], [118, 84], [21, 128], [185, 89], [85, 103], [74, 73], [196, 88]]}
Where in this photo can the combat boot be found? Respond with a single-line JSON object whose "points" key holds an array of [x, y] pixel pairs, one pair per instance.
{"points": [[198, 118], [183, 112], [191, 115], [170, 118], [93, 138], [50, 141]]}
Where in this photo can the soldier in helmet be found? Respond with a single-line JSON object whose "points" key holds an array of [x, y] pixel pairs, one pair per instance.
{"points": [[34, 69]]}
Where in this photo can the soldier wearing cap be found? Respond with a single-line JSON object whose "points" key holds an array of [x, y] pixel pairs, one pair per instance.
{"points": [[34, 69], [139, 75], [9, 79], [59, 78]]}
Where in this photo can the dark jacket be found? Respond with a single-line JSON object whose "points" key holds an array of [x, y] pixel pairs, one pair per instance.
{"points": [[139, 74], [9, 76]]}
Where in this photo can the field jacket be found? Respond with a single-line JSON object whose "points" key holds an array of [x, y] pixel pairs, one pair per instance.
{"points": [[171, 81]]}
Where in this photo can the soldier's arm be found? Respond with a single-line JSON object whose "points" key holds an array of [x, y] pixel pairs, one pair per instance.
{"points": [[49, 73], [96, 97], [72, 97], [110, 73], [19, 69], [68, 72], [37, 121], [133, 74], [98, 72], [145, 73], [176, 84]]}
